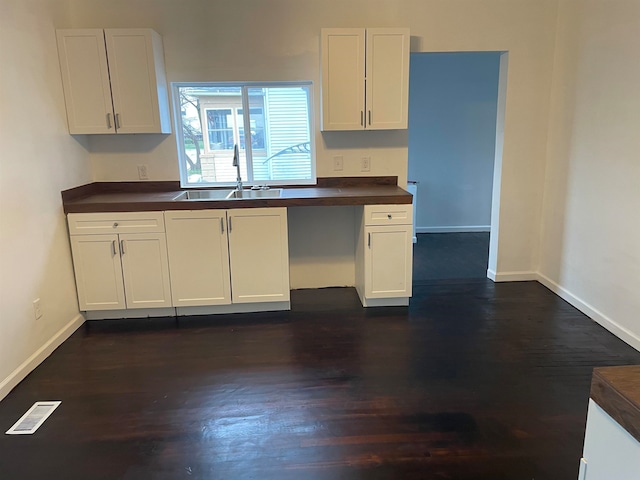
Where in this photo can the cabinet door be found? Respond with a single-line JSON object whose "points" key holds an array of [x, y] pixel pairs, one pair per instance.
{"points": [[198, 257], [134, 83], [85, 80], [343, 52], [259, 255], [387, 78], [96, 262], [610, 451], [145, 269], [388, 261]]}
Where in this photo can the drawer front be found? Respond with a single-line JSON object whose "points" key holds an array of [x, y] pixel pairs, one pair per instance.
{"points": [[388, 214], [120, 222]]}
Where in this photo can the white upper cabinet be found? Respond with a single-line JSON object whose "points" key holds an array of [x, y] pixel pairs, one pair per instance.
{"points": [[114, 81], [387, 92], [365, 78], [343, 60]]}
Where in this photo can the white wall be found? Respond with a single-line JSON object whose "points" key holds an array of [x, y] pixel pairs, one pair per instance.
{"points": [[207, 40], [38, 159], [590, 241], [452, 136]]}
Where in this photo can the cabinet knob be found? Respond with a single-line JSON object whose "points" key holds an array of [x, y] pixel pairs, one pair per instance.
{"points": [[115, 225], [389, 216]]}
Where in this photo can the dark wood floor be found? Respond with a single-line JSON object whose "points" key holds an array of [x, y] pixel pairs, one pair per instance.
{"points": [[450, 256], [474, 380]]}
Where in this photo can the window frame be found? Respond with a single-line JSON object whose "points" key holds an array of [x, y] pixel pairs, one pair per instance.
{"points": [[246, 107]]}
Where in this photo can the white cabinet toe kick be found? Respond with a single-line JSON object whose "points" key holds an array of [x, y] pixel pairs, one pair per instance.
{"points": [[219, 261]]}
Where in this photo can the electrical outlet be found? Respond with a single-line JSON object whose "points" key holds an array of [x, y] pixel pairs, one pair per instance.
{"points": [[37, 308], [366, 164], [142, 172], [338, 162]]}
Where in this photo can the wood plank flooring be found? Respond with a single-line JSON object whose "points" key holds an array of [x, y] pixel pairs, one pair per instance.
{"points": [[449, 256], [474, 380]]}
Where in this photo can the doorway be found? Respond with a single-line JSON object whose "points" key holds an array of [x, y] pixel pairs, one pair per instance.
{"points": [[453, 110]]}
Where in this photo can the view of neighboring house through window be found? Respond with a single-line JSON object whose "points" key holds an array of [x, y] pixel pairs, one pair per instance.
{"points": [[270, 123]]}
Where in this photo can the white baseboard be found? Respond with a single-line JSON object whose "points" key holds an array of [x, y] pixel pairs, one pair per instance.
{"points": [[597, 316], [511, 276], [460, 229], [386, 302], [39, 356]]}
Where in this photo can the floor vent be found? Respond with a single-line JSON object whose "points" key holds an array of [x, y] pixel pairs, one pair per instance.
{"points": [[35, 416]]}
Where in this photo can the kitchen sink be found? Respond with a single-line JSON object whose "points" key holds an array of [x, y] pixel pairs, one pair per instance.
{"points": [[275, 193], [204, 195], [227, 194]]}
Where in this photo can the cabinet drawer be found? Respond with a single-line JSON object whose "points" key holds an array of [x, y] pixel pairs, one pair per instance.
{"points": [[388, 214], [120, 222]]}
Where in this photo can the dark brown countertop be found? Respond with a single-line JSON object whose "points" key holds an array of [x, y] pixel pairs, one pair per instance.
{"points": [[154, 196], [617, 391]]}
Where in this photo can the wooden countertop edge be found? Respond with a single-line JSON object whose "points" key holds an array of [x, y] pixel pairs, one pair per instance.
{"points": [[338, 191], [617, 391], [245, 203]]}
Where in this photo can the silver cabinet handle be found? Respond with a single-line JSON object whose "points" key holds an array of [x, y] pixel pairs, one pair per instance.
{"points": [[122, 247], [118, 121], [229, 226], [369, 241], [369, 117], [221, 225], [108, 120], [362, 117], [113, 247]]}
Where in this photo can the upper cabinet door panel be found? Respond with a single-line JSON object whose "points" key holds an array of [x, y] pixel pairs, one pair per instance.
{"points": [[343, 55], [387, 78], [133, 80], [85, 79]]}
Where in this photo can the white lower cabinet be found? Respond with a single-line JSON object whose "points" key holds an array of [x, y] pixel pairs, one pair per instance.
{"points": [[387, 261], [259, 255], [384, 255], [125, 269], [96, 261], [145, 270], [219, 257], [610, 452], [198, 257]]}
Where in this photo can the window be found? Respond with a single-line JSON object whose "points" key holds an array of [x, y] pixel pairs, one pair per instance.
{"points": [[275, 140]]}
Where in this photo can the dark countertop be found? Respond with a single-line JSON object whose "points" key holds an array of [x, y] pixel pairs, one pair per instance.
{"points": [[155, 196], [617, 391]]}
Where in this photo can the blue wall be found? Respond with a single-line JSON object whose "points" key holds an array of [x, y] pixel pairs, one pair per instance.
{"points": [[452, 130]]}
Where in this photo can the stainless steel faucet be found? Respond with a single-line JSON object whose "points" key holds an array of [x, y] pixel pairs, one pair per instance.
{"points": [[236, 163]]}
